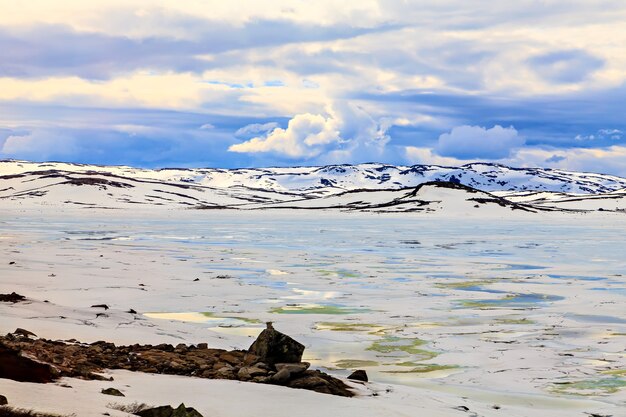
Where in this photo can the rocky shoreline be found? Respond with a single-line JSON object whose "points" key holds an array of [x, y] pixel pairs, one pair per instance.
{"points": [[274, 358]]}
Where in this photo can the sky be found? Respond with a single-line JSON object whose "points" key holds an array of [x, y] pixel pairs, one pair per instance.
{"points": [[192, 83]]}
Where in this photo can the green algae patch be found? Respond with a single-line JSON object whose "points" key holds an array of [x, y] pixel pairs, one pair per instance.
{"points": [[347, 326], [464, 284], [355, 363], [204, 317], [506, 320], [317, 309], [529, 300], [392, 344], [420, 368], [243, 319], [591, 387], [616, 372], [341, 273]]}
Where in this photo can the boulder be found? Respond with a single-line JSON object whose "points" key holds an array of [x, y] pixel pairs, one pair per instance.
{"points": [[274, 347], [169, 411], [358, 375], [23, 332], [281, 377], [23, 369], [112, 391], [3, 400], [308, 382], [249, 372], [293, 368]]}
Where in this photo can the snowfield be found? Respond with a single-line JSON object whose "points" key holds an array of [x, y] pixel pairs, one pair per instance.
{"points": [[366, 187], [457, 299]]}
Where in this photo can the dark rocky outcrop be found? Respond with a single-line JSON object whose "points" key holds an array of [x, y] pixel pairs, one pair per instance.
{"points": [[11, 298], [3, 400], [169, 411], [86, 361], [273, 347], [15, 366]]}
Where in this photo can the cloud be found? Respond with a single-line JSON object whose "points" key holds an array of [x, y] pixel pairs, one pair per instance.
{"points": [[601, 135], [254, 129], [555, 158], [611, 159], [4, 135], [138, 137], [39, 144], [346, 133], [305, 137], [571, 66], [60, 50], [207, 126], [607, 160], [465, 142], [419, 155]]}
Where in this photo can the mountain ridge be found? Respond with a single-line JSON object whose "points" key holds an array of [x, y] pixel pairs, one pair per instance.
{"points": [[364, 187], [331, 179]]}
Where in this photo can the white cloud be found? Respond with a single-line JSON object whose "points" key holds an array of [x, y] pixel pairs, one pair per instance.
{"points": [[345, 133], [207, 126], [465, 142], [418, 155], [255, 129], [611, 159], [39, 145], [301, 139]]}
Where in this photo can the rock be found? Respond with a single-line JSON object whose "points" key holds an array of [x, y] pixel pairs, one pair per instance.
{"points": [[104, 306], [132, 311], [12, 298], [248, 372], [41, 360], [293, 368], [358, 375], [202, 346], [22, 369], [281, 377], [230, 358], [274, 347], [3, 400], [244, 374], [225, 371], [112, 391], [320, 382], [23, 332], [250, 359], [308, 382], [168, 411], [165, 347]]}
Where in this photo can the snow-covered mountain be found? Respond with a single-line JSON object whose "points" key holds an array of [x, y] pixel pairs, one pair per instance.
{"points": [[334, 179], [364, 186]]}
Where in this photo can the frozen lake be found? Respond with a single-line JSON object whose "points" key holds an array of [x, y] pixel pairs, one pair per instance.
{"points": [[501, 309]]}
